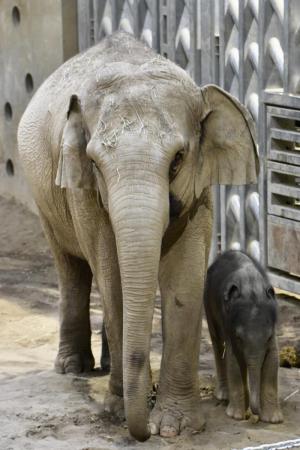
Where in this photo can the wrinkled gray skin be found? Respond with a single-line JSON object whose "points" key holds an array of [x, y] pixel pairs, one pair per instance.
{"points": [[120, 148], [241, 312]]}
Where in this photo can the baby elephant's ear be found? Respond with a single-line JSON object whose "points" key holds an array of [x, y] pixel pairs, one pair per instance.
{"points": [[228, 151], [232, 292], [75, 169]]}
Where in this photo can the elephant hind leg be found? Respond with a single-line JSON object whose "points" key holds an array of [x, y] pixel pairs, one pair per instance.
{"points": [[75, 280], [75, 354]]}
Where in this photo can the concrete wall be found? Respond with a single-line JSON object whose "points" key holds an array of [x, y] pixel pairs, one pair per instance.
{"points": [[35, 38]]}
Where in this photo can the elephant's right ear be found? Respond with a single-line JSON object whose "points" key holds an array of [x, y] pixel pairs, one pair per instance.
{"points": [[228, 150], [75, 169]]}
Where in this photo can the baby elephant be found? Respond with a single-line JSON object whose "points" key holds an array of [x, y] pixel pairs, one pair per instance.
{"points": [[241, 312]]}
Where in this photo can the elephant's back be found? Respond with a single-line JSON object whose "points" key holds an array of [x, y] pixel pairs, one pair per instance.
{"points": [[79, 71], [118, 55], [46, 113]]}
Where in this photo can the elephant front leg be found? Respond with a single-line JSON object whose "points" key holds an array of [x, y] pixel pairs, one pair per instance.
{"points": [[109, 284], [237, 386], [270, 408], [75, 278], [181, 280], [178, 400], [112, 331]]}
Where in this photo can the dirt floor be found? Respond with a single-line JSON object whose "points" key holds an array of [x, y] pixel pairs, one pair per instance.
{"points": [[42, 410]]}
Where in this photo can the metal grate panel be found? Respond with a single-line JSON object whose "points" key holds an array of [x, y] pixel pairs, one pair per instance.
{"points": [[99, 18], [239, 68]]}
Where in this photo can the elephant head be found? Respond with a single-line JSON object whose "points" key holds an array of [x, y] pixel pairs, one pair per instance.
{"points": [[150, 141]]}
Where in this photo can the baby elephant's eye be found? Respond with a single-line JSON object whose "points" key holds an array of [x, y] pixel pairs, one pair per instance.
{"points": [[176, 163]]}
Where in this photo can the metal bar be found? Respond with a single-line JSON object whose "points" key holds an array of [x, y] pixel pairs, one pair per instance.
{"points": [[207, 27], [83, 24]]}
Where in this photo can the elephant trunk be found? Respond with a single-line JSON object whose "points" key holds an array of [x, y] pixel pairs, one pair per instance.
{"points": [[254, 371], [139, 220]]}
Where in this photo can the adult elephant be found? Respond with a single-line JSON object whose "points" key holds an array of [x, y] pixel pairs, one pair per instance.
{"points": [[120, 147]]}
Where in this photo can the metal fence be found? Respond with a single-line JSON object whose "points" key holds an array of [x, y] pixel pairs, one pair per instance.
{"points": [[252, 49]]}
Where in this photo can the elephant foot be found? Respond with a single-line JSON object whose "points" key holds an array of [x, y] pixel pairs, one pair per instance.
{"points": [[114, 404], [170, 418], [221, 393], [236, 412], [271, 415], [74, 361]]}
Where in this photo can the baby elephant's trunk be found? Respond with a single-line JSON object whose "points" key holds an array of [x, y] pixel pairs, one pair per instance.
{"points": [[254, 385]]}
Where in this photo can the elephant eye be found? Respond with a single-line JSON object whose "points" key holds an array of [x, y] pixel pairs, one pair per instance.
{"points": [[176, 163]]}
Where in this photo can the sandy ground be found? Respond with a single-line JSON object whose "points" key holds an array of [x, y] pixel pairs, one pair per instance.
{"points": [[42, 410]]}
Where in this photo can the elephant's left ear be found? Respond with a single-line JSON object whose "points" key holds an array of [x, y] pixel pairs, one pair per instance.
{"points": [[228, 150], [75, 169]]}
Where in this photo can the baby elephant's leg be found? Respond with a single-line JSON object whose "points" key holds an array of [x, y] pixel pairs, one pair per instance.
{"points": [[270, 409], [237, 386]]}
